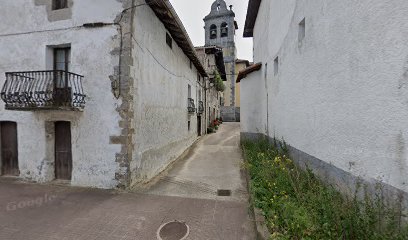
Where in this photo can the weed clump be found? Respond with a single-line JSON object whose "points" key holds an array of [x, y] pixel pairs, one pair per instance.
{"points": [[298, 205]]}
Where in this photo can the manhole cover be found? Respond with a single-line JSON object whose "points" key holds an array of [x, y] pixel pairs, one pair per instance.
{"points": [[173, 231]]}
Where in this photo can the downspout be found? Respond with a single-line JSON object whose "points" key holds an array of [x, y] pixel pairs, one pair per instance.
{"points": [[267, 99]]}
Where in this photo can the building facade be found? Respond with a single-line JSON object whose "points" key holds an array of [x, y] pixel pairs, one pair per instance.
{"points": [[102, 95], [331, 81], [212, 59]]}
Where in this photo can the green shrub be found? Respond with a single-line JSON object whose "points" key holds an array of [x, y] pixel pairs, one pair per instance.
{"points": [[298, 205], [218, 83]]}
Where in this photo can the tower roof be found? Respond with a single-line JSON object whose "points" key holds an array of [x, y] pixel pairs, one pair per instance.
{"points": [[219, 5], [219, 9]]}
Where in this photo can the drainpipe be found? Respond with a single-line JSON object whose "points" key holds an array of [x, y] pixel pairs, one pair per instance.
{"points": [[267, 99]]}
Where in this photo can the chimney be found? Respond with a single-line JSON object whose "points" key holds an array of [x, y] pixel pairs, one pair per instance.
{"points": [[230, 7]]}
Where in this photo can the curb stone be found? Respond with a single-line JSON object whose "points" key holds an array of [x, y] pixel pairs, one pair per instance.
{"points": [[261, 228], [262, 232]]}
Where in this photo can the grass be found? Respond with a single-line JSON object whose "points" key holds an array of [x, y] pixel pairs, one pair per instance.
{"points": [[298, 205]]}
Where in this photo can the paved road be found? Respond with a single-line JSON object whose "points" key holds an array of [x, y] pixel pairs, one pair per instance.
{"points": [[213, 164], [187, 193]]}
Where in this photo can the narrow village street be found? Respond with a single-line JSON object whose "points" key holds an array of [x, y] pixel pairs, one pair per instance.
{"points": [[187, 193]]}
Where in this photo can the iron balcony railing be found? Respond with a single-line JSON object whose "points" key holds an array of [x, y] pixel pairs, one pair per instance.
{"points": [[191, 106], [200, 107], [38, 90]]}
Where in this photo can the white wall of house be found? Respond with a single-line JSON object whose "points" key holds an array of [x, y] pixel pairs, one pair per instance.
{"points": [[253, 109], [341, 93], [162, 75], [161, 78], [25, 33]]}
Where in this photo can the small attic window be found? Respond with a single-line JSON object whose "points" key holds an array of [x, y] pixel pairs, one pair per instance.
{"points": [[302, 30], [59, 4], [276, 66], [218, 7], [169, 40]]}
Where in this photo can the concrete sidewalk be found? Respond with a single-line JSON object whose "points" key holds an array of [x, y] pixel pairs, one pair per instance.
{"points": [[214, 164], [43, 212]]}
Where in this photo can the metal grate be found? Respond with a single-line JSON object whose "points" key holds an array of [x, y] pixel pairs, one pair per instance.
{"points": [[223, 192]]}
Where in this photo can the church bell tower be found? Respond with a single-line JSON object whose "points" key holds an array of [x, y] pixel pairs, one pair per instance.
{"points": [[220, 26]]}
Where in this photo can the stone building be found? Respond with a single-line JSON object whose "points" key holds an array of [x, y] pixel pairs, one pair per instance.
{"points": [[102, 95], [212, 59], [332, 81], [220, 27]]}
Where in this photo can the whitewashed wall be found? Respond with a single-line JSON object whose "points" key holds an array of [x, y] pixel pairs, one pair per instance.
{"points": [[341, 95], [253, 106], [25, 31], [160, 103]]}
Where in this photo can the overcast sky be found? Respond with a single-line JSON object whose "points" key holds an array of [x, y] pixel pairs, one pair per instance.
{"points": [[192, 12]]}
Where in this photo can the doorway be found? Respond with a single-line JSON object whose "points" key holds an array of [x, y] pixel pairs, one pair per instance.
{"points": [[199, 126], [63, 151], [9, 149]]}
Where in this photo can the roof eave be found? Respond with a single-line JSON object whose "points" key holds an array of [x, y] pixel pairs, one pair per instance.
{"points": [[244, 73], [168, 16], [252, 13]]}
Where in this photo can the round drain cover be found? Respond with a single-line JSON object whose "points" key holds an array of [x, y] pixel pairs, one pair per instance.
{"points": [[173, 231]]}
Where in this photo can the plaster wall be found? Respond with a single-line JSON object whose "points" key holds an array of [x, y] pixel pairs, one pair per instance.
{"points": [[36, 14], [253, 105], [162, 75], [25, 34], [340, 94], [238, 67]]}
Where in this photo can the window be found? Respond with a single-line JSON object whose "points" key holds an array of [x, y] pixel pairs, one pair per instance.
{"points": [[59, 4], [276, 65], [302, 30], [266, 70], [213, 32], [62, 62], [224, 30], [62, 59], [266, 75], [189, 91], [189, 125], [169, 40]]}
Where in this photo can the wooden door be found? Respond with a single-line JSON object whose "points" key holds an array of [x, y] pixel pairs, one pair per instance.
{"points": [[9, 149], [63, 151]]}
